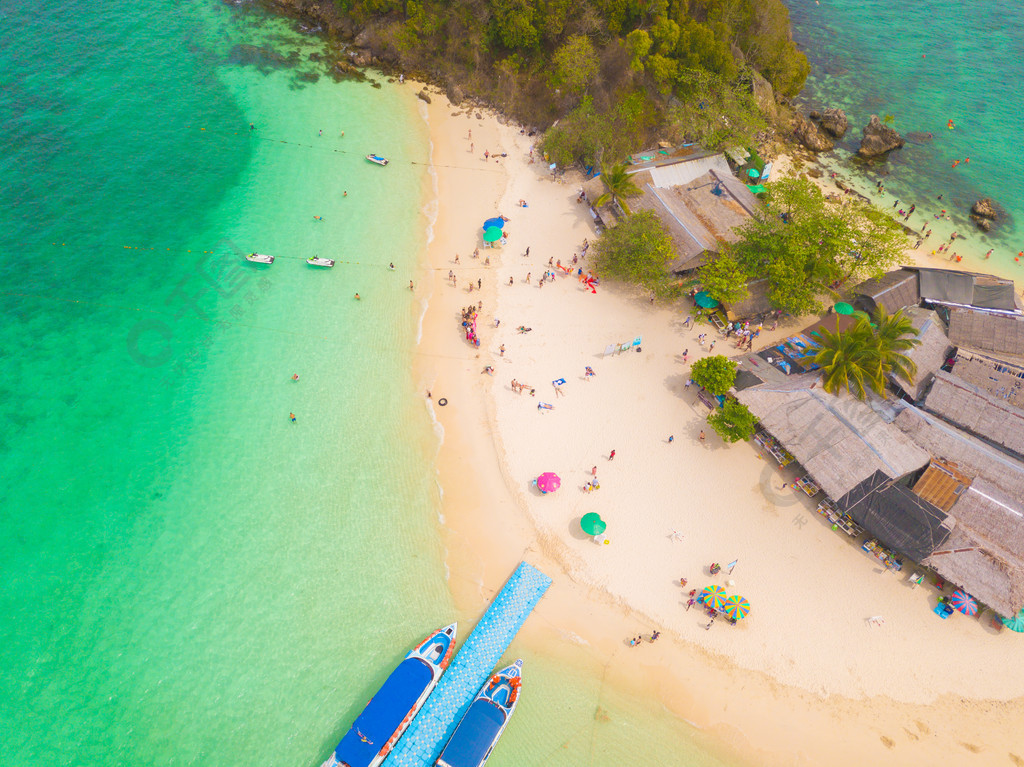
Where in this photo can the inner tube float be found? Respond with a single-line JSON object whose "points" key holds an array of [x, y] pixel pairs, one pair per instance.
{"points": [[442, 402]]}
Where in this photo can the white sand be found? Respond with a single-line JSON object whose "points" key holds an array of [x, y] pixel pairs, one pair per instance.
{"points": [[807, 652]]}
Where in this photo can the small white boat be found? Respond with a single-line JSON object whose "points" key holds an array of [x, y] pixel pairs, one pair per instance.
{"points": [[317, 261], [376, 158], [259, 258]]}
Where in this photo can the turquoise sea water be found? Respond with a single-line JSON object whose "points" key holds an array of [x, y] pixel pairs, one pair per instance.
{"points": [[189, 578], [926, 64]]}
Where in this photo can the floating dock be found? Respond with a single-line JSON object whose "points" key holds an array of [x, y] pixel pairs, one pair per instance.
{"points": [[474, 663]]}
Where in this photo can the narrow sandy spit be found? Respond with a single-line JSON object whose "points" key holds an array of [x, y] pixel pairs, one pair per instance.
{"points": [[805, 677]]}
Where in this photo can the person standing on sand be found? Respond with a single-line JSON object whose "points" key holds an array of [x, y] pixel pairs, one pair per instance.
{"points": [[593, 472], [501, 350], [510, 280], [528, 278], [611, 456], [702, 436]]}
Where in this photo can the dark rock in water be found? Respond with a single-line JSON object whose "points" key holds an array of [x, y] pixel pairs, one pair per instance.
{"points": [[308, 77], [264, 59], [834, 121], [985, 212], [878, 139], [315, 56], [360, 57], [807, 133], [423, 96], [920, 137]]}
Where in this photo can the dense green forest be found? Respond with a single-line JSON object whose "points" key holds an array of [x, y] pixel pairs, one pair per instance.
{"points": [[609, 72]]}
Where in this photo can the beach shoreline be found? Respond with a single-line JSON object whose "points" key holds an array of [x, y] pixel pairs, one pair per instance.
{"points": [[759, 708]]}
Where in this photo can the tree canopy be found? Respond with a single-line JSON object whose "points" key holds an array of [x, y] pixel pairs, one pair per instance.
{"points": [[806, 245], [860, 358], [637, 250], [733, 421], [539, 59], [716, 374]]}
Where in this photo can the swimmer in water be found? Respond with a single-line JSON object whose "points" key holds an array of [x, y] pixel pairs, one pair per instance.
{"points": [[319, 218], [357, 296], [391, 267]]}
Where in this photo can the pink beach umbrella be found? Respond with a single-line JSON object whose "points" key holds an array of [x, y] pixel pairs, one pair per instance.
{"points": [[964, 602], [548, 482]]}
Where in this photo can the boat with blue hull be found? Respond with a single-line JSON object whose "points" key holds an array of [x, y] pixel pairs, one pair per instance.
{"points": [[474, 739], [390, 711]]}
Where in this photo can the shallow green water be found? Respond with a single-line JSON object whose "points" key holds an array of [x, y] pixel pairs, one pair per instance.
{"points": [[926, 64], [189, 577]]}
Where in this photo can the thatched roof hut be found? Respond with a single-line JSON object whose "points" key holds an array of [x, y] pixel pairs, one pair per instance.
{"points": [[698, 200], [948, 287], [976, 411], [929, 355], [893, 290], [985, 552], [754, 304], [999, 377], [999, 333], [840, 440]]}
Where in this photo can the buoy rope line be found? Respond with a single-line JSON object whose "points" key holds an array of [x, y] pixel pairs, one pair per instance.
{"points": [[333, 150]]}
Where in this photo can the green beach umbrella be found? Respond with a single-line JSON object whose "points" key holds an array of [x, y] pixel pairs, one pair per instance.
{"points": [[492, 234], [1016, 623], [592, 524], [705, 301], [862, 315], [754, 173], [843, 308]]}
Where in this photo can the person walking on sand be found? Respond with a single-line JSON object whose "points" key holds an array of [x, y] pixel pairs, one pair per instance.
{"points": [[501, 350], [671, 438], [510, 280], [411, 286], [702, 436], [456, 258], [593, 472], [528, 278], [611, 456], [654, 636]]}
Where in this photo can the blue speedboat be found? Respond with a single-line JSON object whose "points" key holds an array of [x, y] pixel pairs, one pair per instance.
{"points": [[474, 739], [376, 731]]}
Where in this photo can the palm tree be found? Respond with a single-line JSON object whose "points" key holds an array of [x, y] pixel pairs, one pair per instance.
{"points": [[894, 335], [619, 186], [848, 360]]}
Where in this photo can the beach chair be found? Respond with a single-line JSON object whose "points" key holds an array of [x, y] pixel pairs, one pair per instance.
{"points": [[625, 347], [637, 341], [610, 349]]}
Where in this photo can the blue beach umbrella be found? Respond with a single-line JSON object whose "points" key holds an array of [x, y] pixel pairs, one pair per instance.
{"points": [[1016, 623], [498, 222]]}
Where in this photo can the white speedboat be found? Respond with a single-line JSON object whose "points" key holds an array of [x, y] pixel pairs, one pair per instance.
{"points": [[317, 261], [376, 158], [259, 258]]}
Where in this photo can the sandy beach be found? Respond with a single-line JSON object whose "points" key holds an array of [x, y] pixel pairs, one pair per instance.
{"points": [[806, 678]]}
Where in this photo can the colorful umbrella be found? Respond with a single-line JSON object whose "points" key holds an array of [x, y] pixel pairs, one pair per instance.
{"points": [[548, 482], [843, 308], [713, 597], [492, 233], [592, 524], [1016, 623], [737, 607], [705, 301], [964, 602], [498, 222]]}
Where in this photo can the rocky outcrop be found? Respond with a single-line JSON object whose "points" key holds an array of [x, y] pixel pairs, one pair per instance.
{"points": [[423, 95], [807, 133], [360, 57], [984, 213], [834, 122], [454, 94], [763, 94], [878, 139]]}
